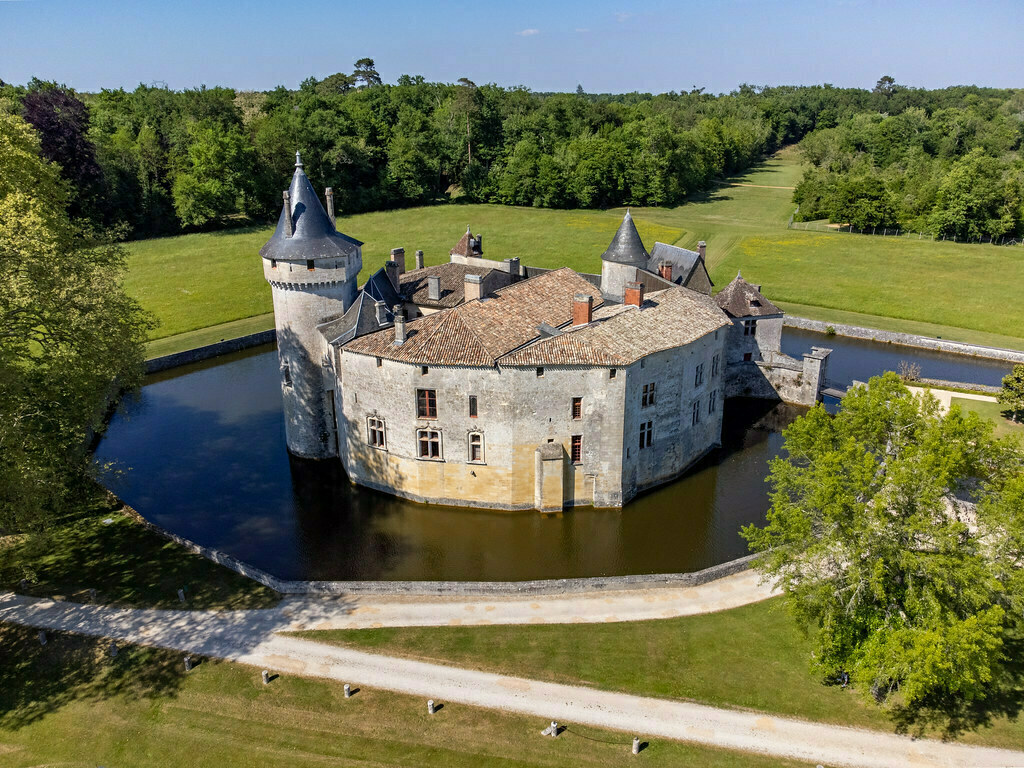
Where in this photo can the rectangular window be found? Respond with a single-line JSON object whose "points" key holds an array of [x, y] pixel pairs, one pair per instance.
{"points": [[540, 371], [273, 263], [747, 357], [715, 362], [611, 373], [646, 432], [429, 442], [577, 449], [426, 403], [424, 370], [647, 397], [695, 414], [379, 362], [476, 447], [309, 264], [750, 327], [472, 406], [286, 374], [698, 375], [375, 431], [713, 401], [577, 407]]}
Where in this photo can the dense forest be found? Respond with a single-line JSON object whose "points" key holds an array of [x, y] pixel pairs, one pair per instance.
{"points": [[155, 161]]}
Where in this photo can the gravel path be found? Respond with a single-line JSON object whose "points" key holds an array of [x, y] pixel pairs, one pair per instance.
{"points": [[249, 637]]}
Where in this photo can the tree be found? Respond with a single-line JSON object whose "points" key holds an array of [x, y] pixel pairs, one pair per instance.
{"points": [[1011, 396], [885, 86], [68, 332], [896, 533], [366, 73], [217, 180]]}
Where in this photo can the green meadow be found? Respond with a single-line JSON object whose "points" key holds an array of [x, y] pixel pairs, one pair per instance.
{"points": [[196, 283]]}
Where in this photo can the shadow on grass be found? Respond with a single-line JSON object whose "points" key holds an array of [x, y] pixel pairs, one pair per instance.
{"points": [[36, 680]]}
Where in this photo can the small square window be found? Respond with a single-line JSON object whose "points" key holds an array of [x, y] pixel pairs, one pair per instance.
{"points": [[309, 265], [747, 357], [424, 370], [273, 263], [540, 371], [611, 373]]}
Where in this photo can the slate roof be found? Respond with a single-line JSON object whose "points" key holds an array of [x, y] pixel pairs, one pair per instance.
{"points": [[741, 299], [463, 247], [621, 334], [480, 332], [314, 235], [627, 247], [453, 283], [684, 262], [361, 317]]}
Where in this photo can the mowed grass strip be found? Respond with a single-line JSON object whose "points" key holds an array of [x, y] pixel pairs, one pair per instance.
{"points": [[69, 703], [994, 413], [753, 657]]}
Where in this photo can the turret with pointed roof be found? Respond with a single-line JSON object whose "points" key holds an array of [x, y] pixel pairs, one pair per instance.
{"points": [[622, 259]]}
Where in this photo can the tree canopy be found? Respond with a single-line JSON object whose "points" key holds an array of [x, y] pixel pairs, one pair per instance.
{"points": [[896, 532], [1011, 396]]}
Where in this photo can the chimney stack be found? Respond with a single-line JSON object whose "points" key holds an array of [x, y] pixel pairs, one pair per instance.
{"points": [[665, 270], [289, 225], [474, 287], [399, 325], [398, 256], [391, 269], [582, 309], [701, 249], [329, 194], [433, 288], [419, 259], [382, 312], [480, 244], [634, 294], [513, 267]]}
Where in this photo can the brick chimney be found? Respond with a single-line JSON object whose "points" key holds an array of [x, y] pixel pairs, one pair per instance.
{"points": [[398, 256], [382, 312], [289, 225], [433, 288], [634, 294], [474, 287], [391, 269], [582, 309], [702, 248], [329, 194], [665, 270], [419, 259], [399, 325]]}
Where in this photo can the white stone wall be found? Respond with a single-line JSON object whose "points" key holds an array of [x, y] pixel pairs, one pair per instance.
{"points": [[614, 277]]}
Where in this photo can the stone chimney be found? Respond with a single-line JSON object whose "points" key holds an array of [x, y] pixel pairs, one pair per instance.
{"points": [[634, 294], [480, 244], [419, 259], [329, 194], [399, 325], [665, 270], [474, 287], [433, 288], [512, 265], [398, 256], [382, 312], [289, 225], [582, 309], [702, 248], [391, 269]]}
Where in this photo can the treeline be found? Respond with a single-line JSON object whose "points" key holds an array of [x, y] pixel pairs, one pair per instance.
{"points": [[947, 163]]}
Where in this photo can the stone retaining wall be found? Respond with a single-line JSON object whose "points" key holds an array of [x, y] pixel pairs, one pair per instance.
{"points": [[199, 354], [906, 339], [436, 588]]}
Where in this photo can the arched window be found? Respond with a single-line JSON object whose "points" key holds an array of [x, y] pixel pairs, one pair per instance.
{"points": [[476, 447]]}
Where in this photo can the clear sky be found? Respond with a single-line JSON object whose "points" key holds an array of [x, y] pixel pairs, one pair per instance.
{"points": [[545, 45]]}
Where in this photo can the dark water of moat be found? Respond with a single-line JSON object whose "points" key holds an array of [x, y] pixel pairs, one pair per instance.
{"points": [[202, 453]]}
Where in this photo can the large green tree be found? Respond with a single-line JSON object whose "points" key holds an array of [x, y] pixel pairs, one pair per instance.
{"points": [[1011, 396], [896, 532], [68, 335]]}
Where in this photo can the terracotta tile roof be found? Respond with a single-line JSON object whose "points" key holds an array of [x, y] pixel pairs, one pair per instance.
{"points": [[453, 283], [464, 248], [480, 332], [741, 299], [622, 334]]}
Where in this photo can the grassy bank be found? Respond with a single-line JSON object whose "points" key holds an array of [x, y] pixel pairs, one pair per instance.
{"points": [[752, 657], [68, 703], [102, 548], [994, 413]]}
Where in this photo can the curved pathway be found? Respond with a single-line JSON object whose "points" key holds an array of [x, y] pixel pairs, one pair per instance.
{"points": [[250, 637]]}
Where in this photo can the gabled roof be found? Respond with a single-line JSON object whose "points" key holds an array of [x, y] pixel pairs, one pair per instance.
{"points": [[684, 262], [314, 237], [453, 283], [469, 245], [361, 317], [627, 247], [478, 333], [741, 299]]}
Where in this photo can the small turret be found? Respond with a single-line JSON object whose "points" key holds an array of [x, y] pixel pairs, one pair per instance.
{"points": [[622, 259]]}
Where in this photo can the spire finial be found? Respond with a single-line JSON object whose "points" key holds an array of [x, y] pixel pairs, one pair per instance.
{"points": [[298, 160], [628, 214], [738, 275], [467, 230]]}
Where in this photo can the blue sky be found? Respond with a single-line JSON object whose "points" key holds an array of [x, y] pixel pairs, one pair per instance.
{"points": [[605, 45]]}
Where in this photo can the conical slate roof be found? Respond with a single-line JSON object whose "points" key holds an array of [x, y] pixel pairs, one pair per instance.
{"points": [[626, 247], [314, 235]]}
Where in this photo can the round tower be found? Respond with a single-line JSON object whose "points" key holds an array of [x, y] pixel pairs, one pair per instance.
{"points": [[619, 264], [312, 270]]}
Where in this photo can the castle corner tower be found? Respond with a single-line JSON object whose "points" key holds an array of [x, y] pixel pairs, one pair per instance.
{"points": [[312, 270], [619, 264]]}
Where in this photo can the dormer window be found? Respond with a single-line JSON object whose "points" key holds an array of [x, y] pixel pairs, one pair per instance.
{"points": [[309, 265], [273, 263]]}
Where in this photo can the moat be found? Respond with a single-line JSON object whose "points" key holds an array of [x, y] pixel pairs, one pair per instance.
{"points": [[202, 452]]}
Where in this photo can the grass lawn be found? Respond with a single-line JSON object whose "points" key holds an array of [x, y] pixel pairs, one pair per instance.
{"points": [[752, 657], [993, 412], [126, 563], [67, 703]]}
